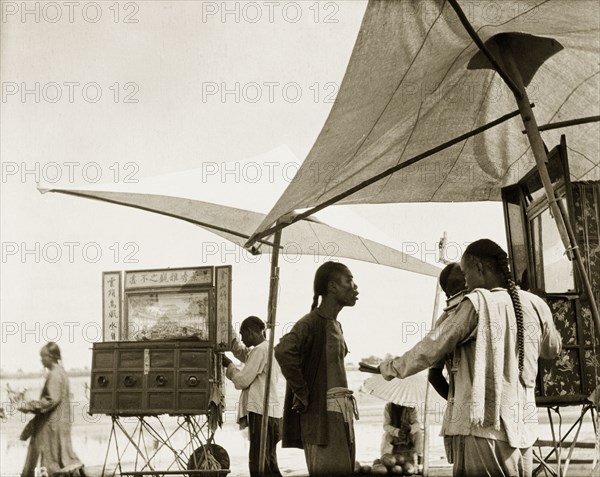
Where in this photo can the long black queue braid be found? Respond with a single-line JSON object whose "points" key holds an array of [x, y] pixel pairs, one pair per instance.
{"points": [[502, 261], [490, 251], [323, 276]]}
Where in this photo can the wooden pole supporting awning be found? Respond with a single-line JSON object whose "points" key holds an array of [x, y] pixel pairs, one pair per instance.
{"points": [[272, 313], [503, 41]]}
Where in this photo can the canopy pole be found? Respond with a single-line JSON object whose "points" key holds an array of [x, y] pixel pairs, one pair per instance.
{"points": [[539, 152], [436, 305], [569, 122], [271, 314]]}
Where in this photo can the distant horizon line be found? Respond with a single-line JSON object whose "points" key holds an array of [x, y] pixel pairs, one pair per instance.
{"points": [[74, 372], [78, 372]]}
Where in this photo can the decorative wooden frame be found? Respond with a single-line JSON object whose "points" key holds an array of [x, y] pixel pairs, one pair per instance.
{"points": [[121, 290]]}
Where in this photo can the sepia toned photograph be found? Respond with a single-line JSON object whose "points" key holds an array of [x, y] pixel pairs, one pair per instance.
{"points": [[311, 238]]}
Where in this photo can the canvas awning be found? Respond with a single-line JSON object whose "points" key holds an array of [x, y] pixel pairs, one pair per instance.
{"points": [[306, 237], [416, 79]]}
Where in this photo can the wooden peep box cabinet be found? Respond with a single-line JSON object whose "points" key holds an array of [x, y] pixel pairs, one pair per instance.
{"points": [[162, 336], [151, 378]]}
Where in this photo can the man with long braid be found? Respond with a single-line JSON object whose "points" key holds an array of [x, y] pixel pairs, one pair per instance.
{"points": [[319, 408], [497, 334]]}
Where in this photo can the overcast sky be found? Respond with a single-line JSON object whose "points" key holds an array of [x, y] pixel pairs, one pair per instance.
{"points": [[209, 100]]}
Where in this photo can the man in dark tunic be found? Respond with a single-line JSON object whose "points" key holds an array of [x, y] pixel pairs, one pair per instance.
{"points": [[319, 408]]}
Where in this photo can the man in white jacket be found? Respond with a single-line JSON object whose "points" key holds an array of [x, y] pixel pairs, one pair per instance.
{"points": [[250, 379]]}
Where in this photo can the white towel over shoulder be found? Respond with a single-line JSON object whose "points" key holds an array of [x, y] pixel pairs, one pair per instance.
{"points": [[490, 355]]}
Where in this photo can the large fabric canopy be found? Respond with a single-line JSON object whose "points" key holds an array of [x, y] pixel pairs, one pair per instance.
{"points": [[306, 237], [416, 80]]}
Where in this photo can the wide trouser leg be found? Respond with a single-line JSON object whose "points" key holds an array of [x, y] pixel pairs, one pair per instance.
{"points": [[273, 436], [336, 459], [478, 457]]}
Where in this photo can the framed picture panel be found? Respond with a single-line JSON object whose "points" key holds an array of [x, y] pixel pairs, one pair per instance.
{"points": [[175, 303], [168, 314]]}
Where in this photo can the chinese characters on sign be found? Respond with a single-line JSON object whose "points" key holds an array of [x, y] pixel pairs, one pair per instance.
{"points": [[223, 285], [164, 278], [111, 306]]}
